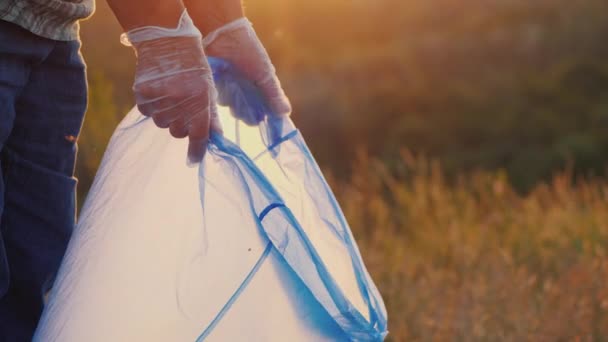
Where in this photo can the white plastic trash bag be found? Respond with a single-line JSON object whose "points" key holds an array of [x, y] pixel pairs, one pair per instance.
{"points": [[249, 245]]}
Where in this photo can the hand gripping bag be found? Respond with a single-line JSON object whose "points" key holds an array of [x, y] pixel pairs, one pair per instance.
{"points": [[249, 245]]}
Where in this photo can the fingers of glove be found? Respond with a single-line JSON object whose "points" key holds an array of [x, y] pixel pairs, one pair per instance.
{"points": [[167, 91], [242, 48], [183, 110], [198, 134], [183, 98], [164, 119], [173, 78], [215, 123], [172, 97], [230, 43], [178, 129], [275, 95]]}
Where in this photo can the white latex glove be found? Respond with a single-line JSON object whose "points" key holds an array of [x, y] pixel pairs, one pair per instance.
{"points": [[238, 43], [173, 82]]}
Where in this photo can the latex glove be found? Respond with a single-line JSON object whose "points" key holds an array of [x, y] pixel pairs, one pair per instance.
{"points": [[174, 83], [238, 43]]}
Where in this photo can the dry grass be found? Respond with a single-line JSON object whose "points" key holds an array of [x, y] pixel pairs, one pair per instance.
{"points": [[473, 260]]}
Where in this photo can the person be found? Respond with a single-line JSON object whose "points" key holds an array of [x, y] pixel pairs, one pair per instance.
{"points": [[43, 98]]}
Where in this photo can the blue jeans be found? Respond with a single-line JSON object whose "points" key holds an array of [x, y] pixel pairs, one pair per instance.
{"points": [[43, 97]]}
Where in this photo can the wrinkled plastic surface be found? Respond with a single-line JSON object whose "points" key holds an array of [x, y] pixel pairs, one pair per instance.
{"points": [[251, 245], [238, 43]]}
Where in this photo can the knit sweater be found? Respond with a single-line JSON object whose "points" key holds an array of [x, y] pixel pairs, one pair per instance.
{"points": [[53, 19]]}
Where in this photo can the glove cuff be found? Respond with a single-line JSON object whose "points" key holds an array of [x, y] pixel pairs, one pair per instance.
{"points": [[185, 28], [231, 26]]}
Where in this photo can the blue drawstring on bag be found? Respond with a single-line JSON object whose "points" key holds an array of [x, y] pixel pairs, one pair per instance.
{"points": [[237, 93], [249, 245]]}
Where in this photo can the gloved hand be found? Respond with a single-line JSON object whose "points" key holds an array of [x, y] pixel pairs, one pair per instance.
{"points": [[173, 82], [238, 43]]}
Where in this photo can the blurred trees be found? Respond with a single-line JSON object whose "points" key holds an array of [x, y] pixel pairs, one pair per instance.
{"points": [[513, 84]]}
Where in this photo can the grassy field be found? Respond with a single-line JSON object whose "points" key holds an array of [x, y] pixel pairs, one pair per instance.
{"points": [[472, 260]]}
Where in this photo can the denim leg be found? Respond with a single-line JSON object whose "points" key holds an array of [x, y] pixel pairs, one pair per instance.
{"points": [[38, 158], [14, 72]]}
